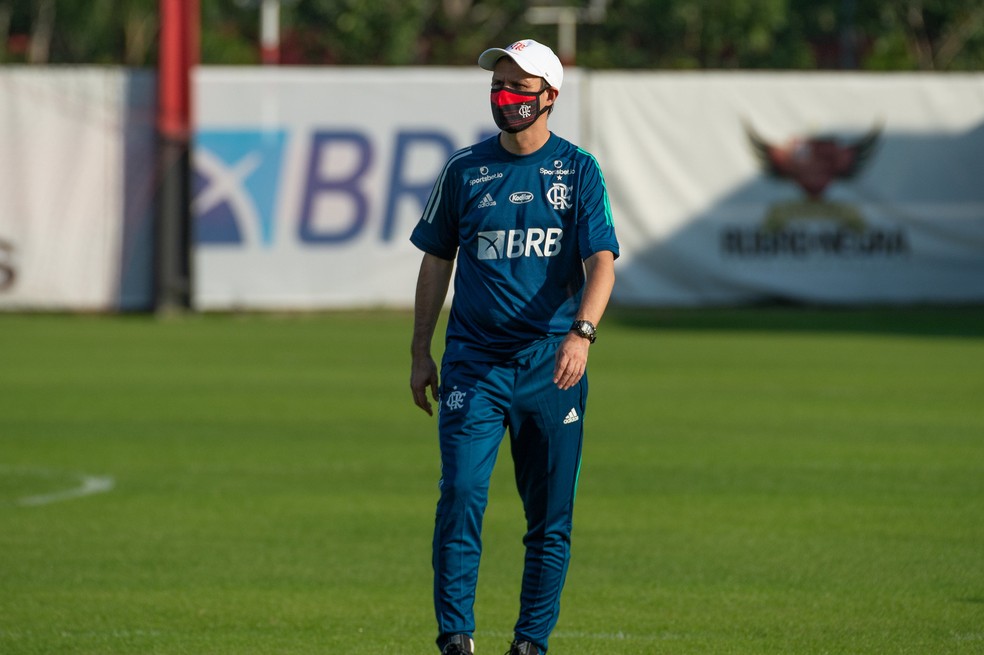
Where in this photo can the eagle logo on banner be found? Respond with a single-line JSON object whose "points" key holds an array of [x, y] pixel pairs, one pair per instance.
{"points": [[813, 163]]}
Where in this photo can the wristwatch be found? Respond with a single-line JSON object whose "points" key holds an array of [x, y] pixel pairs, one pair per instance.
{"points": [[584, 329]]}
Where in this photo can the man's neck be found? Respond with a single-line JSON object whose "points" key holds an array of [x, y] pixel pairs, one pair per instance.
{"points": [[526, 142]]}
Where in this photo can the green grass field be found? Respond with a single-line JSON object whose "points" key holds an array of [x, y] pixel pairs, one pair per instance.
{"points": [[759, 481]]}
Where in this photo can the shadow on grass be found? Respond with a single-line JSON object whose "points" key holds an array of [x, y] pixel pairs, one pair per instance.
{"points": [[940, 321]]}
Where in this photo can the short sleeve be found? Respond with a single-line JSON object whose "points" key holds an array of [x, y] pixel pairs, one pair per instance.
{"points": [[596, 225], [437, 231]]}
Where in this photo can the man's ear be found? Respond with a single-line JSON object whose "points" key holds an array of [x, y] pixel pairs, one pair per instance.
{"points": [[552, 94]]}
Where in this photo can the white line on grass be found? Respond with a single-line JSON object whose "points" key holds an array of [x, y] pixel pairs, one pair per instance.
{"points": [[90, 484]]}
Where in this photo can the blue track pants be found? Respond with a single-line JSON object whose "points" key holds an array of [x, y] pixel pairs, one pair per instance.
{"points": [[479, 402]]}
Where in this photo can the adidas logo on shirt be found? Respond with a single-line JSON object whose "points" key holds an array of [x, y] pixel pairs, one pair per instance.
{"points": [[572, 417], [486, 201]]}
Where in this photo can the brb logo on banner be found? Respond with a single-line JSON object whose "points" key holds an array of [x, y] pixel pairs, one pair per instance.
{"points": [[235, 186], [241, 181]]}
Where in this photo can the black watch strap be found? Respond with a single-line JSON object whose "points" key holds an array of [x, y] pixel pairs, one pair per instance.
{"points": [[585, 329]]}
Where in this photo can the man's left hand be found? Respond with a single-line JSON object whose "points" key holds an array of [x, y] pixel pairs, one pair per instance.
{"points": [[572, 360]]}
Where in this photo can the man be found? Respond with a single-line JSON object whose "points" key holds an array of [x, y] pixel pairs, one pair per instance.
{"points": [[526, 215]]}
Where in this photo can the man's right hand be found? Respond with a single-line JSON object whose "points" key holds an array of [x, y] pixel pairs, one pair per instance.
{"points": [[432, 288], [423, 375]]}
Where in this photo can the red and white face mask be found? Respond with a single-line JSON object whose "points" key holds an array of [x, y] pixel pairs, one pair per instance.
{"points": [[514, 111]]}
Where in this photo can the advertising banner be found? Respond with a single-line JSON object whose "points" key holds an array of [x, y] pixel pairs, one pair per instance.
{"points": [[727, 188], [730, 188], [308, 182]]}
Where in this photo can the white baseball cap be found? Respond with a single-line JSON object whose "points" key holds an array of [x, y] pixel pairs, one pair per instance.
{"points": [[533, 57]]}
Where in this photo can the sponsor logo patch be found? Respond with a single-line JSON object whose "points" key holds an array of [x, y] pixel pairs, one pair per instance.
{"points": [[510, 244], [484, 176], [557, 170]]}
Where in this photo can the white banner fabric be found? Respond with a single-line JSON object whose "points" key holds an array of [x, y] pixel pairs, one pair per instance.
{"points": [[308, 182], [65, 136], [59, 187], [732, 188]]}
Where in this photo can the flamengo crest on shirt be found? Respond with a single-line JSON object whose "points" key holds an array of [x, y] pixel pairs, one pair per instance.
{"points": [[559, 195]]}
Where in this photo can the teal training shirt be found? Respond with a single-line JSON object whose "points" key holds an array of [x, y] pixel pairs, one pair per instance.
{"points": [[520, 227]]}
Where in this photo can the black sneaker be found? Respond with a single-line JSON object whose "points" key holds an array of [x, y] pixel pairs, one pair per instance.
{"points": [[458, 645], [523, 648]]}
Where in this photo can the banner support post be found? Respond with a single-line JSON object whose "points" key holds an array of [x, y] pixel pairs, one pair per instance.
{"points": [[179, 34]]}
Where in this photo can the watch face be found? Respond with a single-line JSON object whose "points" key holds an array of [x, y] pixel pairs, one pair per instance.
{"points": [[585, 329]]}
